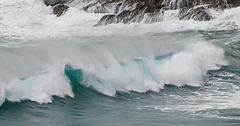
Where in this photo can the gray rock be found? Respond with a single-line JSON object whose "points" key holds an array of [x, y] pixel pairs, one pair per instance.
{"points": [[148, 11], [55, 2], [107, 19], [234, 3], [134, 11], [60, 9], [200, 14], [109, 6]]}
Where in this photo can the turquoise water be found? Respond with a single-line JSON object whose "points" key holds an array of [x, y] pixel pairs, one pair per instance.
{"points": [[65, 71], [90, 108], [215, 102]]}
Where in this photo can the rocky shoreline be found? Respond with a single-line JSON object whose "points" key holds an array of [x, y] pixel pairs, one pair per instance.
{"points": [[147, 11]]}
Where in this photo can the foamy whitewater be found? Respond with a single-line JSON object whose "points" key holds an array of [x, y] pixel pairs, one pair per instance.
{"points": [[162, 69]]}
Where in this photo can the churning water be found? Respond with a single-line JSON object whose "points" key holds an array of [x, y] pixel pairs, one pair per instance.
{"points": [[64, 71]]}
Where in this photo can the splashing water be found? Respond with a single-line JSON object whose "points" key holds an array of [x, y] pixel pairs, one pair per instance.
{"points": [[136, 74]]}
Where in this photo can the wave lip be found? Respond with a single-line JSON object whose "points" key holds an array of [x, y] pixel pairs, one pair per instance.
{"points": [[187, 67], [38, 88], [190, 65]]}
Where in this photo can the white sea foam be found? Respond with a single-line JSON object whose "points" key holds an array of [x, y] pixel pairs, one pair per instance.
{"points": [[31, 19], [186, 67], [39, 88], [36, 72], [208, 103], [32, 72]]}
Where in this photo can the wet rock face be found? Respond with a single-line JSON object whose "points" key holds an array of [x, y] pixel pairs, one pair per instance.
{"points": [[111, 6], [152, 3], [234, 3], [55, 2], [107, 19], [179, 4], [150, 11], [199, 13], [140, 14], [117, 6], [133, 11], [101, 6], [60, 9]]}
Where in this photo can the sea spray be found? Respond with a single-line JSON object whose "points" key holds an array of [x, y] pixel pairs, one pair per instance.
{"points": [[35, 20], [187, 67], [39, 88], [104, 69]]}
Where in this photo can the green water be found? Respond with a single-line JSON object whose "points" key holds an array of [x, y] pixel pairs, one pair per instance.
{"points": [[215, 103], [91, 108]]}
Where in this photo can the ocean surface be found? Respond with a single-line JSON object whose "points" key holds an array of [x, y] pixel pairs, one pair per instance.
{"points": [[64, 71]]}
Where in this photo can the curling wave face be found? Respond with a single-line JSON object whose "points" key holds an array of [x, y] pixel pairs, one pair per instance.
{"points": [[38, 50], [38, 72]]}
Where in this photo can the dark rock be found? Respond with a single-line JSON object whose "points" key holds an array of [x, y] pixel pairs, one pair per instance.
{"points": [[55, 2], [150, 11], [234, 3], [107, 19], [179, 4], [136, 12], [152, 3], [200, 14], [104, 6], [60, 9]]}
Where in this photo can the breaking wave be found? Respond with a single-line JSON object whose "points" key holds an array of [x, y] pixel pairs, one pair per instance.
{"points": [[39, 51], [107, 75]]}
